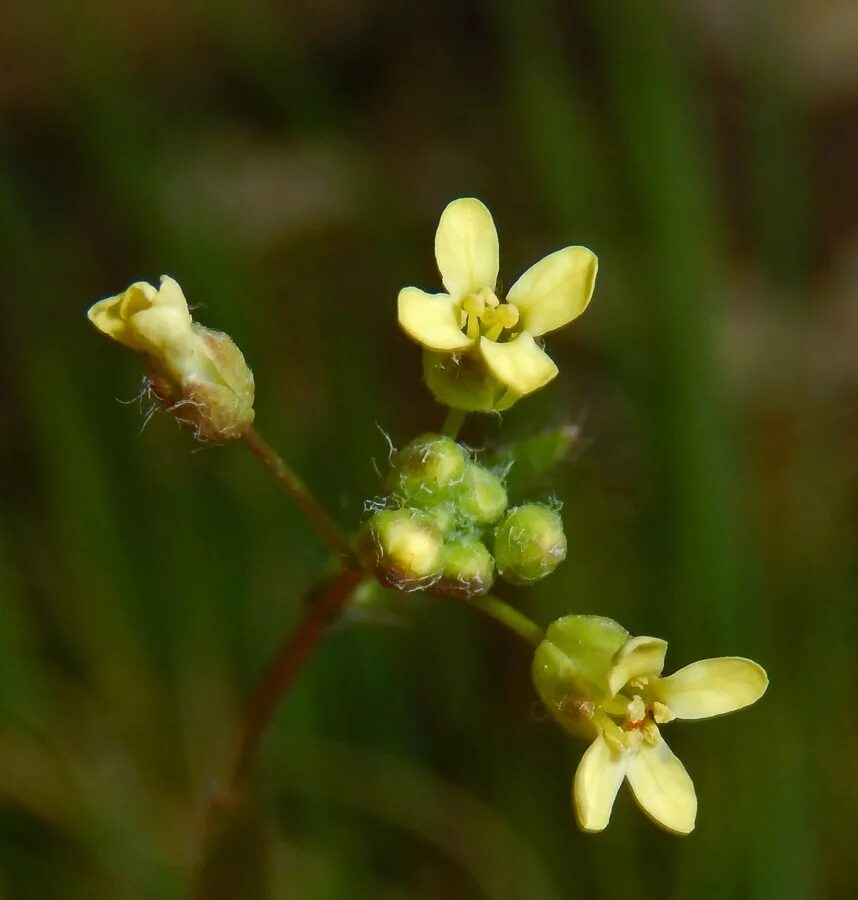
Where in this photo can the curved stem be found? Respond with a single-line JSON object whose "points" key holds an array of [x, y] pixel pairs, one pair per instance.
{"points": [[290, 658], [508, 616], [291, 483]]}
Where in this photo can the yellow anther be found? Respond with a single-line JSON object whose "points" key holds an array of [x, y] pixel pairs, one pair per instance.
{"points": [[490, 298], [636, 710], [508, 315], [650, 733], [662, 713]]}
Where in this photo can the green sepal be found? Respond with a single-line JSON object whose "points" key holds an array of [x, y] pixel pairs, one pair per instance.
{"points": [[571, 666]]}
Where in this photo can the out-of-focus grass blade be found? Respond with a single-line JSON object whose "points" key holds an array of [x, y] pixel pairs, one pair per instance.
{"points": [[529, 464]]}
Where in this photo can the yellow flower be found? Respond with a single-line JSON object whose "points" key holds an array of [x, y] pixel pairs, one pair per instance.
{"points": [[470, 327], [198, 373], [605, 686]]}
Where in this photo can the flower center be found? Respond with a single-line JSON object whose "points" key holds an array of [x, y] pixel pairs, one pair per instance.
{"points": [[483, 315]]}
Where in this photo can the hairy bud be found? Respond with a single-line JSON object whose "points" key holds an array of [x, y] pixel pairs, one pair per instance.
{"points": [[403, 548], [426, 470], [529, 543], [469, 570]]}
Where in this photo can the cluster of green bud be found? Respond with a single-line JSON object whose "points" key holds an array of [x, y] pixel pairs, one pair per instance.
{"points": [[445, 512]]}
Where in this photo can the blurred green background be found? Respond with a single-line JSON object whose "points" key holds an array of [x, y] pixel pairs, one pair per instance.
{"points": [[287, 162]]}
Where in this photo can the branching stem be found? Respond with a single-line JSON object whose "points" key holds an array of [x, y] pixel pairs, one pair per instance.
{"points": [[290, 658], [291, 483]]}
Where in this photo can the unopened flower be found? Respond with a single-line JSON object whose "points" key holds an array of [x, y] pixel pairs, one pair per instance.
{"points": [[481, 353], [426, 471], [529, 543], [469, 570], [403, 548], [606, 686], [199, 374]]}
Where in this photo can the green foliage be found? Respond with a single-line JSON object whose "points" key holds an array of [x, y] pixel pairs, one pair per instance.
{"points": [[531, 463]]}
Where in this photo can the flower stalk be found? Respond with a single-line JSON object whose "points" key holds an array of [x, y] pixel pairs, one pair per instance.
{"points": [[327, 529], [287, 663], [508, 616]]}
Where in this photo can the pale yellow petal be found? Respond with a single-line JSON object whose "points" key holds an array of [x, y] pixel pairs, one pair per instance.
{"points": [[662, 787], [431, 319], [555, 290], [111, 315], [521, 364], [638, 657], [599, 776], [466, 248], [712, 687], [170, 294]]}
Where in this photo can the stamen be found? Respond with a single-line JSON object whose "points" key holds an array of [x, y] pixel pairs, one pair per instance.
{"points": [[490, 298], [636, 710], [662, 713], [473, 330], [509, 315], [650, 733], [474, 305]]}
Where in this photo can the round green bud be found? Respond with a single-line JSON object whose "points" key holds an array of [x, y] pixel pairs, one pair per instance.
{"points": [[403, 548], [469, 570], [425, 471], [529, 543], [482, 496]]}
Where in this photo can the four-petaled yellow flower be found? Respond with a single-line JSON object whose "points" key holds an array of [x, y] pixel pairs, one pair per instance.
{"points": [[482, 353], [606, 686], [199, 374]]}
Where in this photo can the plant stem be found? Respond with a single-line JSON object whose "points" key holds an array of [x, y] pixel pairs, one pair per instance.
{"points": [[291, 483], [453, 423], [287, 663], [509, 617], [290, 658]]}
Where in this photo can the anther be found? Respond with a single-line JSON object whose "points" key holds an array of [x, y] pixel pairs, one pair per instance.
{"points": [[662, 713]]}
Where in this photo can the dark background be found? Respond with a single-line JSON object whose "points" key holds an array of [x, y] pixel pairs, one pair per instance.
{"points": [[287, 162]]}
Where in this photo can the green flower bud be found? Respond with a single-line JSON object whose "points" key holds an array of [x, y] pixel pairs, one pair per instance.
{"points": [[425, 471], [574, 661], [529, 543], [403, 548], [482, 496], [469, 570]]}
